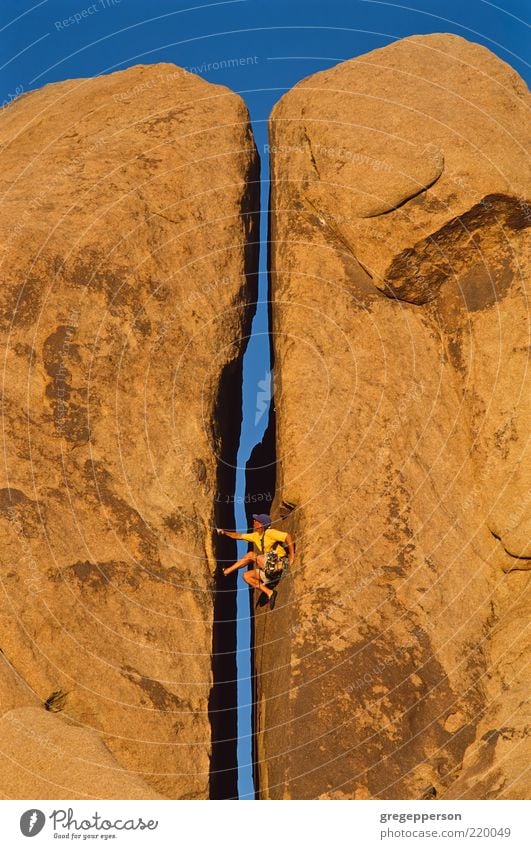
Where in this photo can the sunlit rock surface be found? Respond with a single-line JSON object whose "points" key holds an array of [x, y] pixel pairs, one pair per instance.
{"points": [[126, 234], [393, 663]]}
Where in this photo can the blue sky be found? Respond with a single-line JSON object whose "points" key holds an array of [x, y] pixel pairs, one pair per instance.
{"points": [[287, 40]]}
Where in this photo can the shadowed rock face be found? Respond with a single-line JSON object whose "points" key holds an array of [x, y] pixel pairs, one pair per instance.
{"points": [[127, 281], [392, 666]]}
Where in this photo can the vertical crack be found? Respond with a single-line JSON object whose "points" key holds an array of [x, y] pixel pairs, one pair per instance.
{"points": [[222, 701], [227, 426], [260, 490], [260, 486]]}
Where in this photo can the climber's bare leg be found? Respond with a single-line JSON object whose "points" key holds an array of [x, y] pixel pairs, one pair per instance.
{"points": [[243, 561], [252, 577]]}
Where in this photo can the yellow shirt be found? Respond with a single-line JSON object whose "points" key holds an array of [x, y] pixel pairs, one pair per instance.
{"points": [[271, 536]]}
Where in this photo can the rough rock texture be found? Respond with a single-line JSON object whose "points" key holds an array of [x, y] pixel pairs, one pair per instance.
{"points": [[125, 236], [392, 665], [59, 759]]}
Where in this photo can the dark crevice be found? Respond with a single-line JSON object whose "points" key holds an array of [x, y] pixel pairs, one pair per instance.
{"points": [[226, 436], [260, 478], [260, 487], [222, 701]]}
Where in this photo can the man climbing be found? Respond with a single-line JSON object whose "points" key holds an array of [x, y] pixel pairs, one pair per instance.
{"points": [[269, 556]]}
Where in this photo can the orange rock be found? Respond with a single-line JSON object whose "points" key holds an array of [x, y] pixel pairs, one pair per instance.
{"points": [[126, 233], [400, 201]]}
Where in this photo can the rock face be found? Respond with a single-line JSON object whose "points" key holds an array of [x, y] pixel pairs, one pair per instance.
{"points": [[392, 666], [57, 758], [128, 280]]}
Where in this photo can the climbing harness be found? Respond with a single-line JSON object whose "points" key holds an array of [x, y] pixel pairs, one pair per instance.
{"points": [[274, 564]]}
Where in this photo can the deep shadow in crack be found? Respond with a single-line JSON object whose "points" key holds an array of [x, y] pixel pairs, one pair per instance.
{"points": [[260, 483], [227, 421]]}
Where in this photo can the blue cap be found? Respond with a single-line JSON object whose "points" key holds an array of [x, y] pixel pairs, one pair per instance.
{"points": [[263, 518]]}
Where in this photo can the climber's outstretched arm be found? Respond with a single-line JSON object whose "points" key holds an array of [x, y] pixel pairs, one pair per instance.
{"points": [[231, 534]]}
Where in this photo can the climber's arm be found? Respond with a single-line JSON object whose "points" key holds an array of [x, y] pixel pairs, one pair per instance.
{"points": [[231, 534]]}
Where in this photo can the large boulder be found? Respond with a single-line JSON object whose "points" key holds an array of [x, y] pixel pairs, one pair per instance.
{"points": [[126, 235], [391, 666]]}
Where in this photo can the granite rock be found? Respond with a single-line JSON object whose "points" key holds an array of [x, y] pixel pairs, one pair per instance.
{"points": [[127, 232], [391, 666]]}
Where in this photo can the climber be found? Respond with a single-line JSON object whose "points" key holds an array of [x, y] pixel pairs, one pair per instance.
{"points": [[269, 555]]}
